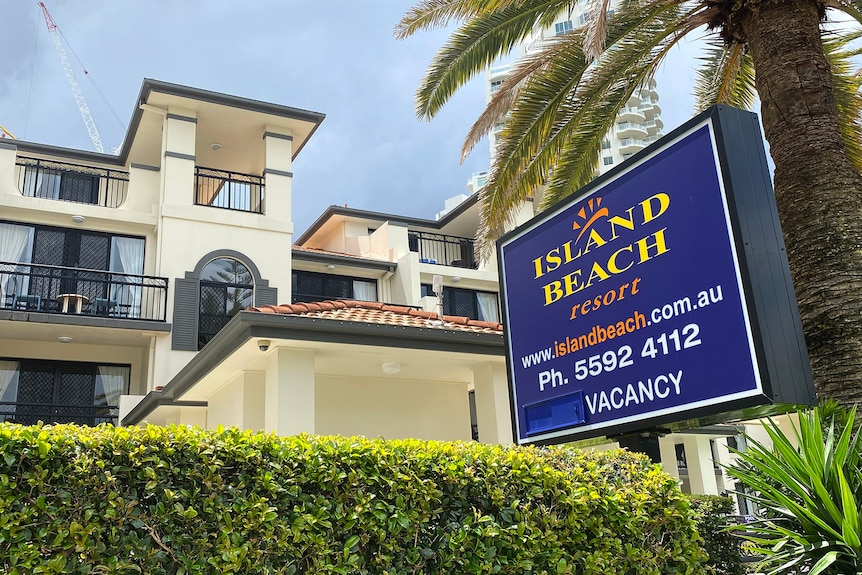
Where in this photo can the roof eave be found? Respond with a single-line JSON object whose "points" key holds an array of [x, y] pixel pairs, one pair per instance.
{"points": [[248, 324]]}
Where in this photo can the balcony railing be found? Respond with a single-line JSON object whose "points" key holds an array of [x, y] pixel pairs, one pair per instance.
{"points": [[60, 289], [71, 183], [443, 250], [32, 413], [229, 190]]}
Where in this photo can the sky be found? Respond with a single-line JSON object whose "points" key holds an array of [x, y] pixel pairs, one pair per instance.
{"points": [[338, 57]]}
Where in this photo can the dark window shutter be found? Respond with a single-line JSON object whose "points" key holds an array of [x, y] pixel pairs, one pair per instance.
{"points": [[266, 296], [184, 334]]}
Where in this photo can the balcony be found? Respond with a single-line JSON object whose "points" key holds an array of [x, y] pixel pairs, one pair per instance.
{"points": [[33, 413], [443, 250], [631, 129], [631, 113], [229, 190], [71, 183], [60, 289], [631, 145]]}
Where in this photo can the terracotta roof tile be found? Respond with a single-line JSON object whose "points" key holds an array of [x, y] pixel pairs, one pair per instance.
{"points": [[376, 312]]}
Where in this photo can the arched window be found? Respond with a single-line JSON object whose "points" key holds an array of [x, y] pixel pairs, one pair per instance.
{"points": [[223, 283], [227, 287]]}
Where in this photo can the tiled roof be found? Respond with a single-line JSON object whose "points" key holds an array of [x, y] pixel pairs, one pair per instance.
{"points": [[332, 253], [380, 313]]}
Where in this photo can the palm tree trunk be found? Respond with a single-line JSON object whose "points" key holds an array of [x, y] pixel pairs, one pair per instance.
{"points": [[818, 191]]}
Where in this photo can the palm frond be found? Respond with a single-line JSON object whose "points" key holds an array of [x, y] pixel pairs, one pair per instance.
{"points": [[597, 29], [475, 45], [628, 64], [847, 84], [852, 8], [428, 14], [526, 150], [503, 99], [726, 76], [553, 102]]}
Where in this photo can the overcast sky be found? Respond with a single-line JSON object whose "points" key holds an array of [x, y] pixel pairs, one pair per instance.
{"points": [[337, 57]]}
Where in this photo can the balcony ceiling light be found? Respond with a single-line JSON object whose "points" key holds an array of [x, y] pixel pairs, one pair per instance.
{"points": [[65, 339], [390, 368], [330, 267], [216, 146], [78, 219]]}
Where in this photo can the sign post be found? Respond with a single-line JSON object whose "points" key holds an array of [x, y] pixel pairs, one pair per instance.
{"points": [[658, 296]]}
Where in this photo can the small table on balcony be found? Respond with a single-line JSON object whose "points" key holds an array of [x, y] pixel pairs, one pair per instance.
{"points": [[72, 298]]}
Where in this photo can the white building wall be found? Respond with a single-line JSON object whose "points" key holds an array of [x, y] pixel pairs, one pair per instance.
{"points": [[392, 408]]}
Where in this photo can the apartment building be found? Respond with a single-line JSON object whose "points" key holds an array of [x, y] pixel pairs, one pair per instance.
{"points": [[119, 273], [166, 284]]}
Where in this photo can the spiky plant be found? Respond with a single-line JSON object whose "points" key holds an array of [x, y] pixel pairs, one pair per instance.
{"points": [[809, 493]]}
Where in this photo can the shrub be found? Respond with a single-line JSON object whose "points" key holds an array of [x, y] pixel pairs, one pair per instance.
{"points": [[178, 500], [723, 548]]}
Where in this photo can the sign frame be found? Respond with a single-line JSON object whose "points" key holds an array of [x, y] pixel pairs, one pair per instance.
{"points": [[777, 346]]}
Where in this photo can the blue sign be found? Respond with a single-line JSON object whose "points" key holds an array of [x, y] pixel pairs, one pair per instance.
{"points": [[628, 303]]}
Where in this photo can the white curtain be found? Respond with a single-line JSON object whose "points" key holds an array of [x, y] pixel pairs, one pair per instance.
{"points": [[8, 377], [15, 246], [364, 291], [113, 380], [130, 252], [41, 183], [488, 310]]}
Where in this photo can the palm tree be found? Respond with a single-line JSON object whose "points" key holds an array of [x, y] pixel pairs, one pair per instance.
{"points": [[558, 103]]}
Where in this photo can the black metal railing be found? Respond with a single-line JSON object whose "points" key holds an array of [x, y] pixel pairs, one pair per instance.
{"points": [[60, 289], [229, 190], [33, 413], [443, 250], [71, 182]]}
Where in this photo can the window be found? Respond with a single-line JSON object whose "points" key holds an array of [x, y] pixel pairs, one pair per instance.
{"points": [[60, 392], [313, 286], [607, 161], [474, 304], [606, 144], [53, 184], [226, 288], [562, 27], [495, 85], [584, 18], [222, 283]]}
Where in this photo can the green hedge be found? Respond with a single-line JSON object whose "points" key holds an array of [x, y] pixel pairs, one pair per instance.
{"points": [[724, 548], [179, 500]]}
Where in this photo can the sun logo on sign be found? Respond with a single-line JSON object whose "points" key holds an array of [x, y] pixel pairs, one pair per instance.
{"points": [[595, 212]]}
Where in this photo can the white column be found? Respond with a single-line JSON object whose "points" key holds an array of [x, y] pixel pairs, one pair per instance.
{"points": [[698, 457], [724, 458], [239, 403], [278, 173], [493, 414], [289, 394], [667, 448]]}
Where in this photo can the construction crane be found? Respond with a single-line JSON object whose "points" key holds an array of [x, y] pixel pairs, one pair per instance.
{"points": [[73, 81], [4, 132]]}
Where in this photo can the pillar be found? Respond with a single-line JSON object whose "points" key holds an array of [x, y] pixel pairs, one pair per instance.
{"points": [[667, 448], [698, 457], [493, 412], [289, 391]]}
